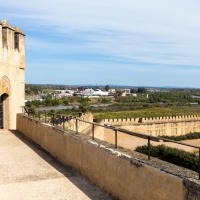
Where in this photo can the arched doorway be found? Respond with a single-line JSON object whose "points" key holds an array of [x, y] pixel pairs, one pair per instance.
{"points": [[5, 103], [4, 111]]}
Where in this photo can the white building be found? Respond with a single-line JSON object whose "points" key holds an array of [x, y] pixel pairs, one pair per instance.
{"points": [[91, 92]]}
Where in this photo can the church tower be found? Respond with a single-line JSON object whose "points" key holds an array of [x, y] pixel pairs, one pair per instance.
{"points": [[12, 67]]}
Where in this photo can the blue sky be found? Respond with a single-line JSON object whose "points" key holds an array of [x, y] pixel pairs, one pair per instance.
{"points": [[131, 42]]}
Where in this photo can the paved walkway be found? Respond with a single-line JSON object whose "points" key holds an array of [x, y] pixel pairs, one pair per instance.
{"points": [[27, 172]]}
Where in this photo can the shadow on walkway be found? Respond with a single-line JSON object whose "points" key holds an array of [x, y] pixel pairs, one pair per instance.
{"points": [[80, 182]]}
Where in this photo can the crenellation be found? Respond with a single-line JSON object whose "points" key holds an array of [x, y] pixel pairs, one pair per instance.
{"points": [[19, 39], [11, 38], [168, 125], [7, 35], [151, 120], [156, 119]]}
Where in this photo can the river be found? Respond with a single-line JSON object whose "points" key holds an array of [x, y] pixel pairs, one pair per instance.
{"points": [[61, 107]]}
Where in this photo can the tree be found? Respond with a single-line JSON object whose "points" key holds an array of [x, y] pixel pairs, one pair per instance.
{"points": [[133, 90], [32, 109], [28, 103], [52, 111], [84, 104], [104, 101], [119, 93], [71, 99], [84, 107], [65, 101], [142, 90], [83, 100], [107, 87], [61, 87]]}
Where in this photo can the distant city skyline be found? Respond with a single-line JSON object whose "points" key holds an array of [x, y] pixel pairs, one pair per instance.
{"points": [[133, 43]]}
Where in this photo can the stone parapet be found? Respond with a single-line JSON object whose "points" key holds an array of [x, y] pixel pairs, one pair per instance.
{"points": [[123, 174]]}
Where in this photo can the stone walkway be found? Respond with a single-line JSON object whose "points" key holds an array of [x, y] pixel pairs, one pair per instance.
{"points": [[27, 172]]}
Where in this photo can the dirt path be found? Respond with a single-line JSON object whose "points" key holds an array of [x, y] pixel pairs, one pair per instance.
{"points": [[28, 173], [131, 142]]}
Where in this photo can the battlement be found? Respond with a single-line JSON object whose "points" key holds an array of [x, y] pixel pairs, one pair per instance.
{"points": [[151, 120], [11, 37]]}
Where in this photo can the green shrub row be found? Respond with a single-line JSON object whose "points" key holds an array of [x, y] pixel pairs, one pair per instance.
{"points": [[172, 155], [189, 136]]}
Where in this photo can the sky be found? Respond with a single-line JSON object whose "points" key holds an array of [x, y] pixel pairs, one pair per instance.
{"points": [[131, 42]]}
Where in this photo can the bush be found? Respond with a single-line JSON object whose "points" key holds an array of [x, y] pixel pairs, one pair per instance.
{"points": [[52, 111], [172, 155], [145, 105], [189, 136], [32, 109], [84, 107]]}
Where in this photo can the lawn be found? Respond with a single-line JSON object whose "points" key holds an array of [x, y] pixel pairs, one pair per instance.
{"points": [[45, 91]]}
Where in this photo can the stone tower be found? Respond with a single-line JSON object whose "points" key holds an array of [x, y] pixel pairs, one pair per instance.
{"points": [[12, 67]]}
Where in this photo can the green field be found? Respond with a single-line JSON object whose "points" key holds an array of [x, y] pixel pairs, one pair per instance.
{"points": [[45, 91], [147, 112]]}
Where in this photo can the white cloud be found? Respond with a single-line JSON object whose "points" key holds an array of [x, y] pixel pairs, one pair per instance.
{"points": [[152, 32]]}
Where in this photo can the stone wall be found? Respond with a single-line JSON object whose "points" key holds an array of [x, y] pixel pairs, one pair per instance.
{"points": [[121, 175], [158, 126], [150, 120], [69, 122], [83, 127], [12, 65]]}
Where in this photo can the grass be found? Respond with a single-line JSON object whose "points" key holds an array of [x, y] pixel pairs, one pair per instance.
{"points": [[147, 112], [47, 91]]}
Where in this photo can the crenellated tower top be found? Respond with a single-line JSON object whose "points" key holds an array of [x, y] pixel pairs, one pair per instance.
{"points": [[11, 38], [5, 24], [12, 73]]}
